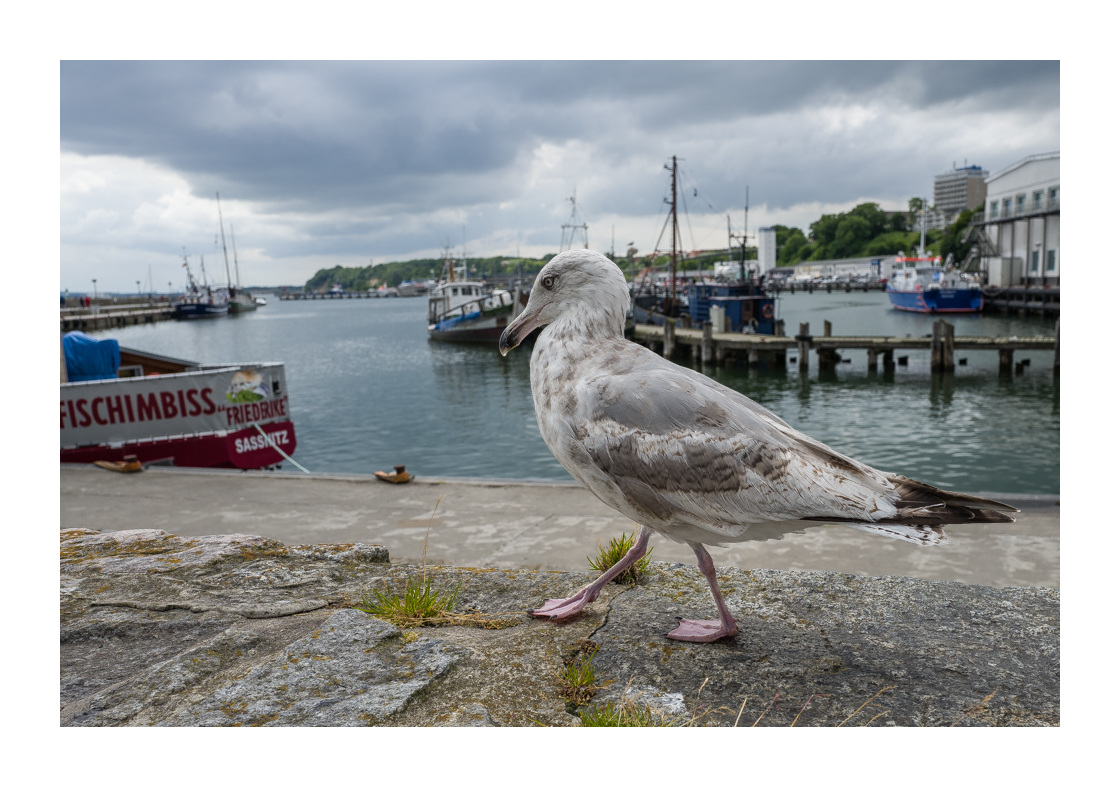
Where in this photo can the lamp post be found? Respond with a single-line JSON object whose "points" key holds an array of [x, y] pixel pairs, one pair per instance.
{"points": [[95, 308]]}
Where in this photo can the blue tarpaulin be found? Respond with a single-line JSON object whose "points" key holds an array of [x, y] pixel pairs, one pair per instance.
{"points": [[90, 359]]}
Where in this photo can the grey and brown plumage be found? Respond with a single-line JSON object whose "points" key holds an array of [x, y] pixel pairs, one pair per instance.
{"points": [[685, 456]]}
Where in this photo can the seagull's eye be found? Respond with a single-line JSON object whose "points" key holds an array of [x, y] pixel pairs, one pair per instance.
{"points": [[548, 282]]}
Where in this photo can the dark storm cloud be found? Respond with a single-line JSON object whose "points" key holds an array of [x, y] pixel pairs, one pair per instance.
{"points": [[321, 135], [327, 163]]}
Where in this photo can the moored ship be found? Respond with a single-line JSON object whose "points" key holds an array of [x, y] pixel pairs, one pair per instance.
{"points": [[116, 402], [921, 284]]}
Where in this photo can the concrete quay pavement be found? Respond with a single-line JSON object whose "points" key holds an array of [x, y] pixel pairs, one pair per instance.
{"points": [[508, 524]]}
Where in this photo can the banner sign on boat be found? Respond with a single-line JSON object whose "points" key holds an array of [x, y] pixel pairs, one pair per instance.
{"points": [[229, 399]]}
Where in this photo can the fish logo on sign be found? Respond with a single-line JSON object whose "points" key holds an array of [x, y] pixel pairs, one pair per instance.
{"points": [[246, 386]]}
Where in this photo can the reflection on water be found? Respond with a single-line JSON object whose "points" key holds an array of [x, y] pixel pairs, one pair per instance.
{"points": [[369, 390]]}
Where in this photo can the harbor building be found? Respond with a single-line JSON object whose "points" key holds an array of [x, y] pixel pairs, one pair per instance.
{"points": [[963, 188], [1022, 222]]}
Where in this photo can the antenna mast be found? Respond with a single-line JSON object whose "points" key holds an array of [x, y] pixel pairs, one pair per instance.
{"points": [[741, 238], [566, 239]]}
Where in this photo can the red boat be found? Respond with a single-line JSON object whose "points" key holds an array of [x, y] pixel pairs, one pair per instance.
{"points": [[116, 402]]}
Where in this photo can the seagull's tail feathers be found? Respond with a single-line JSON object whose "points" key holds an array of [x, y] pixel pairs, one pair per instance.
{"points": [[923, 510], [916, 495]]}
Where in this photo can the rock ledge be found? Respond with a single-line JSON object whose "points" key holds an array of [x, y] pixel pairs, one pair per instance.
{"points": [[237, 629]]}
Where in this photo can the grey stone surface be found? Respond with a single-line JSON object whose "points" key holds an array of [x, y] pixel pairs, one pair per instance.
{"points": [[159, 630], [940, 653]]}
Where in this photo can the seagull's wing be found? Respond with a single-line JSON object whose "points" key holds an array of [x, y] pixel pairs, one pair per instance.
{"points": [[681, 447]]}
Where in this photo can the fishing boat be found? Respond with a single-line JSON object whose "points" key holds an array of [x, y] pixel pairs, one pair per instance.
{"points": [[116, 402], [735, 306], [200, 301], [461, 310], [922, 284]]}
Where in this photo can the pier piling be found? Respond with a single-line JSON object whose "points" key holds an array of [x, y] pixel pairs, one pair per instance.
{"points": [[670, 339], [804, 342], [941, 347]]}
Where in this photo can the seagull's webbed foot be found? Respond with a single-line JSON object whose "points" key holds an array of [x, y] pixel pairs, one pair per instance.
{"points": [[707, 630], [560, 608], [703, 630]]}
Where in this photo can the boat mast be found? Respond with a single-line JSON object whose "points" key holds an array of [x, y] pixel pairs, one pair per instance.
{"points": [[222, 227], [236, 269], [676, 229]]}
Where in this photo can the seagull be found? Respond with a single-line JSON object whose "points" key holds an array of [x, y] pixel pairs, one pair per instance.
{"points": [[687, 457]]}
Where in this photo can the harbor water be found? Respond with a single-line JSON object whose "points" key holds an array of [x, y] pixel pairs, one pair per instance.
{"points": [[369, 390]]}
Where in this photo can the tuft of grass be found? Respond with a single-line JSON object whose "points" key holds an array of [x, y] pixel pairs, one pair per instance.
{"points": [[623, 714], [614, 552], [419, 605], [579, 677], [416, 606]]}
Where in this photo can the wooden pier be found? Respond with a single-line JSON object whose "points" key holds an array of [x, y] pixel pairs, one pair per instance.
{"points": [[100, 318], [333, 296], [720, 348]]}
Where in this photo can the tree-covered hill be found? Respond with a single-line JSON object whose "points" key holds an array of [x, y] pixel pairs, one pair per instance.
{"points": [[864, 231], [868, 231], [393, 273]]}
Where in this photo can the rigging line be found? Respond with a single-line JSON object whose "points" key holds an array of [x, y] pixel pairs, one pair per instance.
{"points": [[688, 221], [279, 450], [653, 254], [701, 195]]}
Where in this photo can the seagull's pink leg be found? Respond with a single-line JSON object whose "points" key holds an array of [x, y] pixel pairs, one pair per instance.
{"points": [[707, 630], [559, 608]]}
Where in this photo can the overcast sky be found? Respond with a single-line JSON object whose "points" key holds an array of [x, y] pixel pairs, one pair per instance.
{"points": [[343, 163]]}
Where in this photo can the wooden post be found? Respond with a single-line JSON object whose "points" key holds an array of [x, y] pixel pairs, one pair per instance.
{"points": [[706, 343], [1006, 360], [670, 339], [1057, 344], [947, 347], [941, 347], [872, 360], [827, 358], [804, 342], [752, 357], [935, 348], [888, 360]]}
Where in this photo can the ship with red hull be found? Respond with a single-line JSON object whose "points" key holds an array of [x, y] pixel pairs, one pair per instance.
{"points": [[168, 411]]}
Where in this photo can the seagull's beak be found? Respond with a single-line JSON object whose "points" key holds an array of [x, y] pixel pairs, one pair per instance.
{"points": [[516, 331]]}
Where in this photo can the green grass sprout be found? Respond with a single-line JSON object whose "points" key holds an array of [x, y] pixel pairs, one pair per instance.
{"points": [[614, 552]]}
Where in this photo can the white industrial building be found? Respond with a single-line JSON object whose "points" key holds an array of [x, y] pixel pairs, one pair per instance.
{"points": [[767, 249], [1022, 220]]}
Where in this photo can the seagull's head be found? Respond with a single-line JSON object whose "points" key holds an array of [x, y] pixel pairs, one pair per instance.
{"points": [[578, 285]]}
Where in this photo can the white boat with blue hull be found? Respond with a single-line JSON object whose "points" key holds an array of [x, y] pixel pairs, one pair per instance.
{"points": [[460, 310], [921, 284]]}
